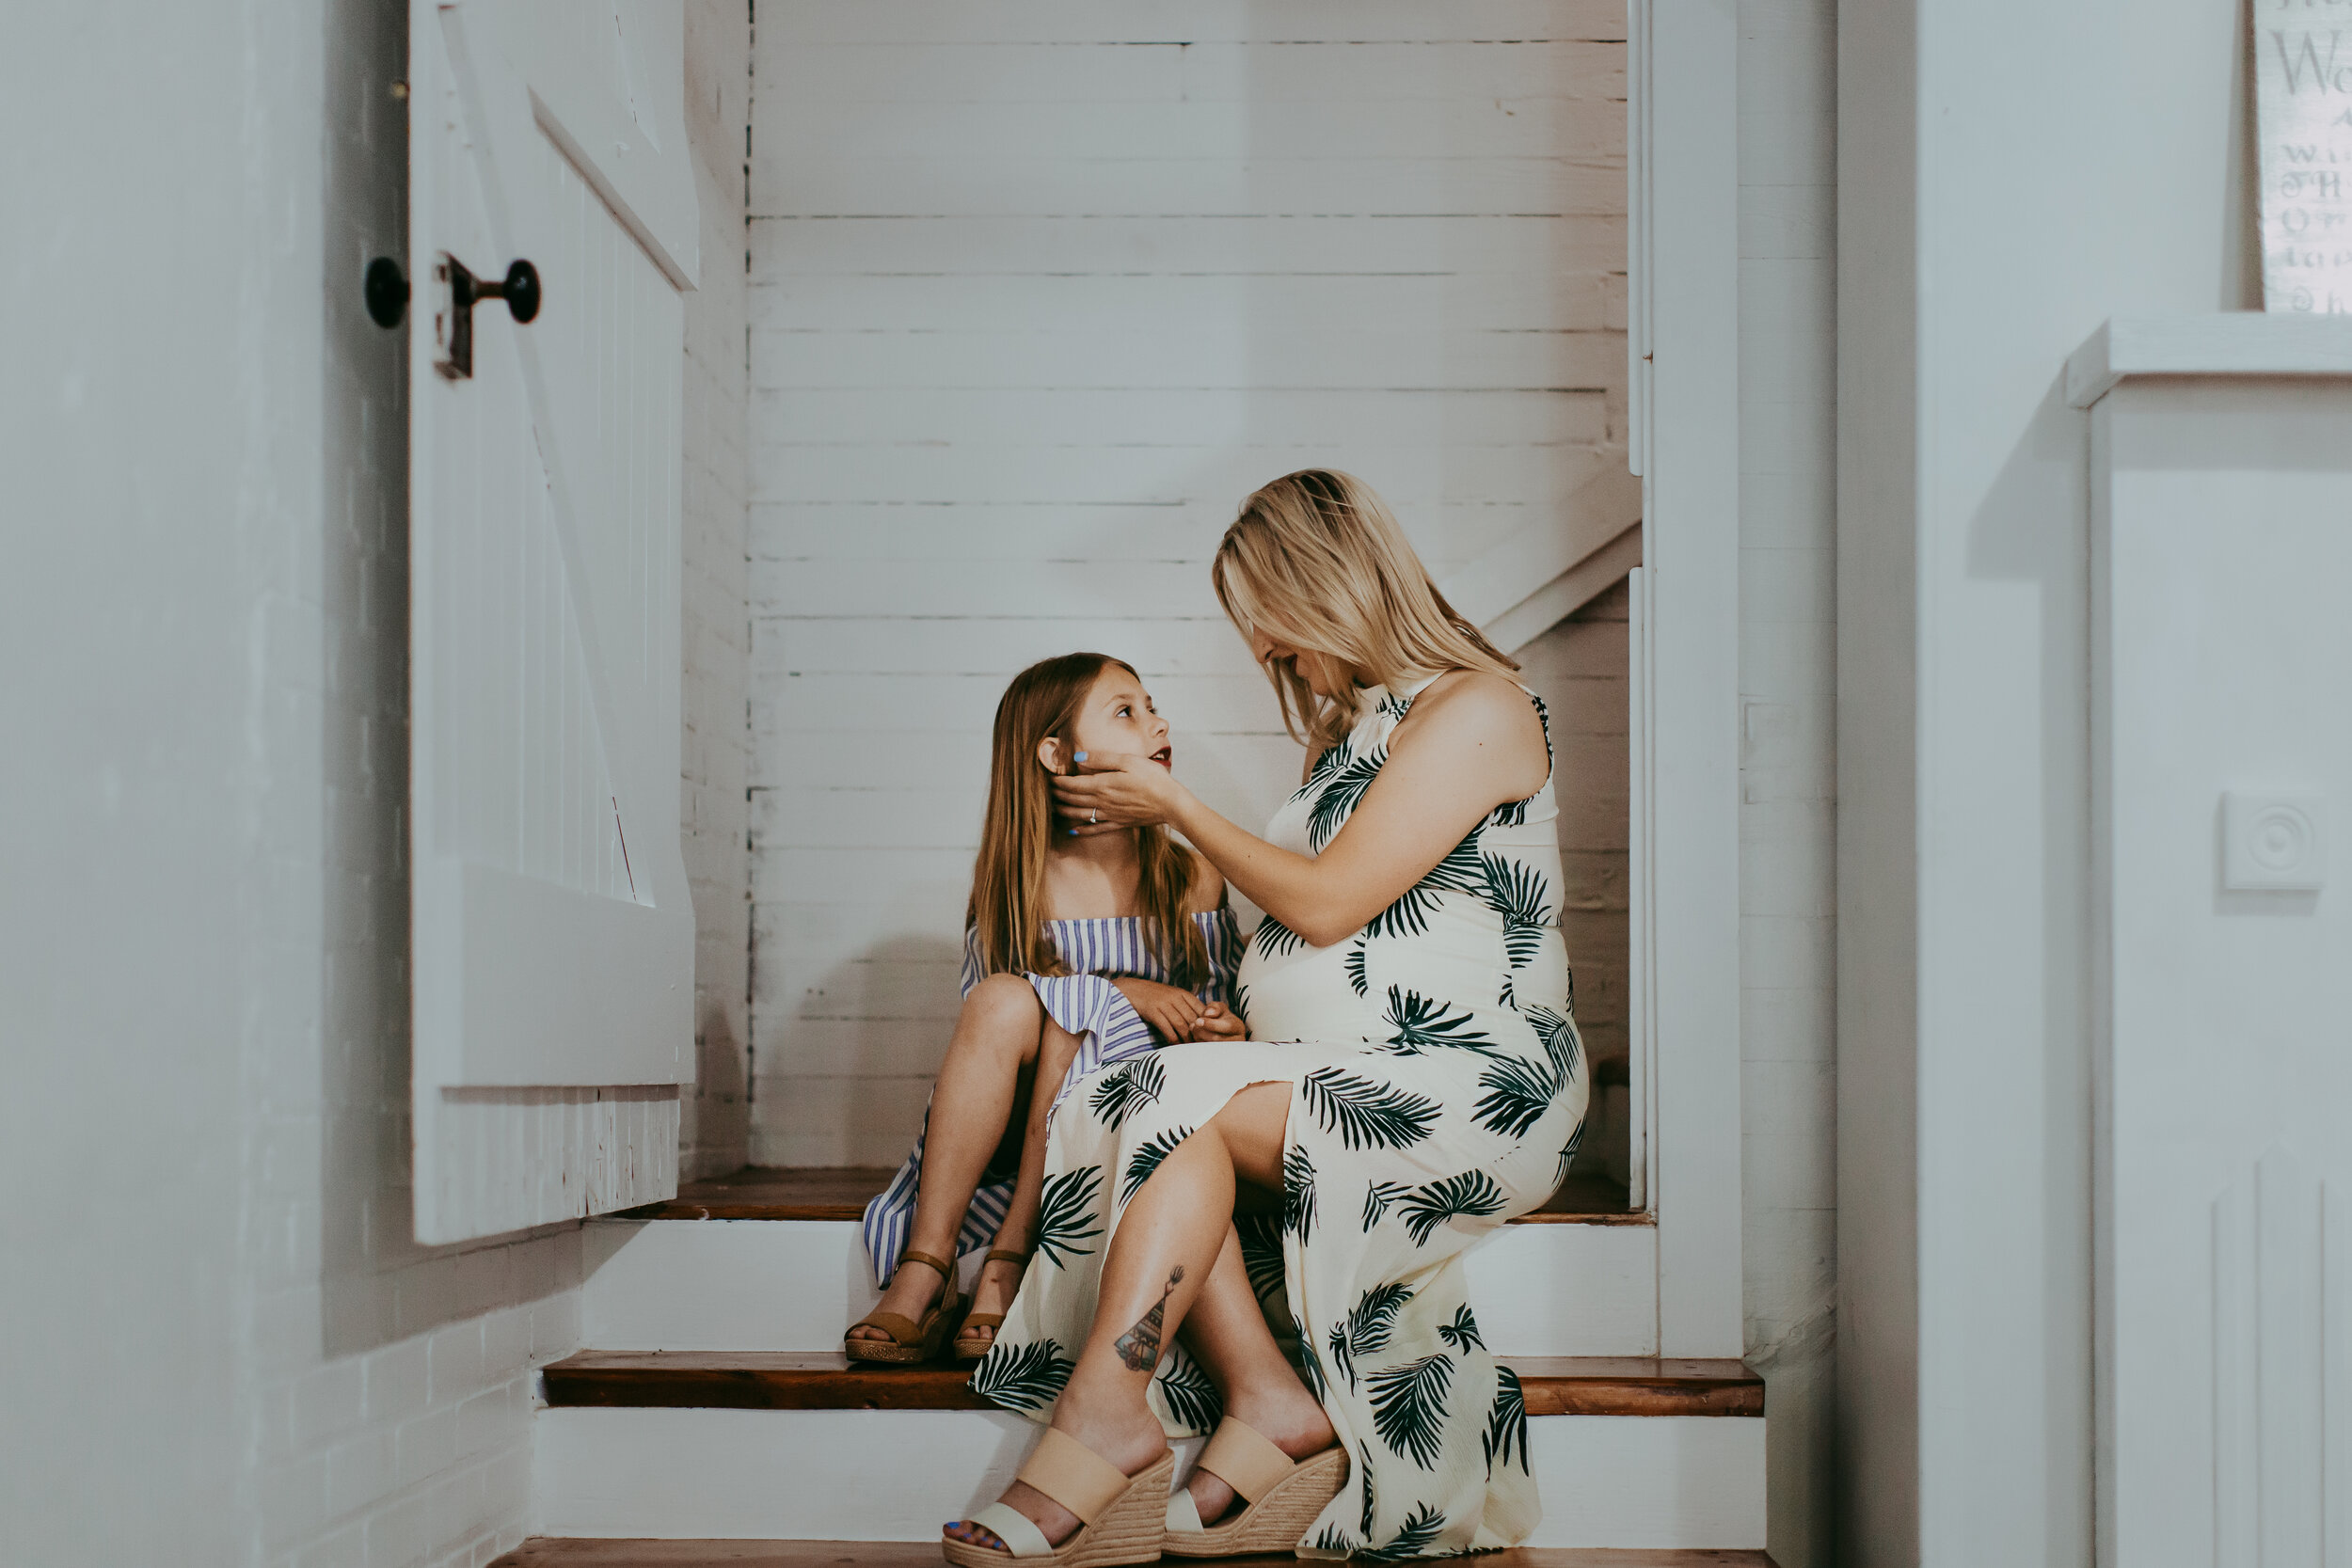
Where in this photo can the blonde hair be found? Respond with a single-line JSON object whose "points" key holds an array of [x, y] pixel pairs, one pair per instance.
{"points": [[1317, 561], [1008, 904]]}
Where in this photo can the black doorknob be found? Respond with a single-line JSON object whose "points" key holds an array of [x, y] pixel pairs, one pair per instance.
{"points": [[520, 290], [387, 291]]}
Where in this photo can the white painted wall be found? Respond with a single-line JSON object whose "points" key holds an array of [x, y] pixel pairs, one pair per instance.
{"points": [[225, 1346], [2060, 163], [1787, 811], [139, 457], [1038, 294]]}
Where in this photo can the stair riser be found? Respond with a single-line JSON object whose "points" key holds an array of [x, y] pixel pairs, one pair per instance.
{"points": [[878, 1474], [1538, 1289]]}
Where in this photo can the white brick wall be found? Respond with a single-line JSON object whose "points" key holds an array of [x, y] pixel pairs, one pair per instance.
{"points": [[1787, 344], [1038, 294]]}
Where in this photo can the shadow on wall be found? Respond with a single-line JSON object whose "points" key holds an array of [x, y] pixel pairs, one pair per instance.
{"points": [[720, 1097], [2034, 1105]]}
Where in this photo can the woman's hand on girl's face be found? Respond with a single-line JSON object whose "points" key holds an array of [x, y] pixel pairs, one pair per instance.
{"points": [[1112, 794]]}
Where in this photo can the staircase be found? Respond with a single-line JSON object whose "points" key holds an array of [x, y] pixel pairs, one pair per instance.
{"points": [[715, 1419]]}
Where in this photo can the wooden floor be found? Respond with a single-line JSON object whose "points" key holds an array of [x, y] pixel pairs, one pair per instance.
{"points": [[769, 1192], [923, 1554]]}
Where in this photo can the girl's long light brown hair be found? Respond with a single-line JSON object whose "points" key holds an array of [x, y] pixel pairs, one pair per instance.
{"points": [[1008, 907], [1317, 561]]}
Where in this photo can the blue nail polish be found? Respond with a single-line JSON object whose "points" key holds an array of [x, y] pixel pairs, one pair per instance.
{"points": [[1082, 756]]}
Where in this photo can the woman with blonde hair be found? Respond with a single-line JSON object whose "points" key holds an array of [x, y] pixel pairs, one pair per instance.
{"points": [[1423, 1083]]}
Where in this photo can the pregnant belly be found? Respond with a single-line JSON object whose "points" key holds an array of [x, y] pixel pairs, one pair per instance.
{"points": [[1357, 989], [1306, 995]]}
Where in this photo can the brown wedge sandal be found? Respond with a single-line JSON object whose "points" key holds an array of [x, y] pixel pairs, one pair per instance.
{"points": [[909, 1342], [1124, 1516], [967, 1347], [1284, 1497]]}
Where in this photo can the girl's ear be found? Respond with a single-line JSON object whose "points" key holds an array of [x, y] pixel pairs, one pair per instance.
{"points": [[1049, 754]]}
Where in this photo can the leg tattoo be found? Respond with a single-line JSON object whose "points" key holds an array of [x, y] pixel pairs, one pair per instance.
{"points": [[1139, 1347]]}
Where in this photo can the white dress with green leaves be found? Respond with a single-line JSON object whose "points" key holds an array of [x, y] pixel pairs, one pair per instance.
{"points": [[1438, 1088]]}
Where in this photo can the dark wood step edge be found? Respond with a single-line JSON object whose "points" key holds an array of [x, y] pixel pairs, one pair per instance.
{"points": [[559, 1552], [1554, 1386], [749, 1209]]}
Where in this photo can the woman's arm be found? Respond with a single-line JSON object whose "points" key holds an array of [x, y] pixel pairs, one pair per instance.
{"points": [[1472, 742]]}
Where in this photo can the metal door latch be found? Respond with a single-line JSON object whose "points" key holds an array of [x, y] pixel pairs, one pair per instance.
{"points": [[455, 292]]}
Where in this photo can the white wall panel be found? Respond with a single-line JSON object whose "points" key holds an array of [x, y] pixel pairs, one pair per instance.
{"points": [[1037, 295]]}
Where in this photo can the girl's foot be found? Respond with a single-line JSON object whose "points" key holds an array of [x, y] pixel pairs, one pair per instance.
{"points": [[910, 1294], [1133, 1441], [1287, 1415], [991, 1298]]}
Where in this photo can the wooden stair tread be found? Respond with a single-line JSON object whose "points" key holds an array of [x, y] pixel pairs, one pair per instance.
{"points": [[822, 1380], [548, 1553], [776, 1192]]}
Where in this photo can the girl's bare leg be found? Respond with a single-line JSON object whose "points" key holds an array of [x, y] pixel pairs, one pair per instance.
{"points": [[999, 1282], [982, 1081], [1226, 1332], [1168, 1245]]}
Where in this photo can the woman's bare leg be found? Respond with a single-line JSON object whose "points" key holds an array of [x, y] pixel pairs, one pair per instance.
{"points": [[1226, 1332], [1166, 1247], [981, 1083], [999, 1282]]}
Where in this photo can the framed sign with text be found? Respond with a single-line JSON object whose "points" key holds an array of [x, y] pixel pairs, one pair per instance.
{"points": [[2303, 116]]}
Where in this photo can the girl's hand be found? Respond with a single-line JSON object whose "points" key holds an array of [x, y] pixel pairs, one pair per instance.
{"points": [[1218, 1022], [1106, 794], [1171, 1011]]}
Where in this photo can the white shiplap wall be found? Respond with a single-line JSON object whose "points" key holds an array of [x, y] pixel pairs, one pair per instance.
{"points": [[1039, 291]]}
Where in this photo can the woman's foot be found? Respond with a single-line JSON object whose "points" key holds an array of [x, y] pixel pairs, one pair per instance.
{"points": [[1288, 1416], [1133, 1441], [912, 1291]]}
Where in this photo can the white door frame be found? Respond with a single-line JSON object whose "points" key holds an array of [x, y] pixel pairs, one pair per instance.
{"points": [[1683, 276]]}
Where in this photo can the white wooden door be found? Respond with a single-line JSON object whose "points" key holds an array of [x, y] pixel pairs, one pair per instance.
{"points": [[552, 938]]}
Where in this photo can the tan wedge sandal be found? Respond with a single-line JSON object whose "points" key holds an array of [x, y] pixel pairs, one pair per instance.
{"points": [[1284, 1498], [909, 1342], [1124, 1516], [967, 1347]]}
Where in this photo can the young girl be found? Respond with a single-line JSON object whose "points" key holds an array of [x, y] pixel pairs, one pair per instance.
{"points": [[1079, 950]]}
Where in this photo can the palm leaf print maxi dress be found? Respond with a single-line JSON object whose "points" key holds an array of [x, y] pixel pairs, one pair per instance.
{"points": [[1437, 1089]]}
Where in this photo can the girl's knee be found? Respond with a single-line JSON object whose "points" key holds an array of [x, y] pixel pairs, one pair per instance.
{"points": [[1006, 1002]]}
